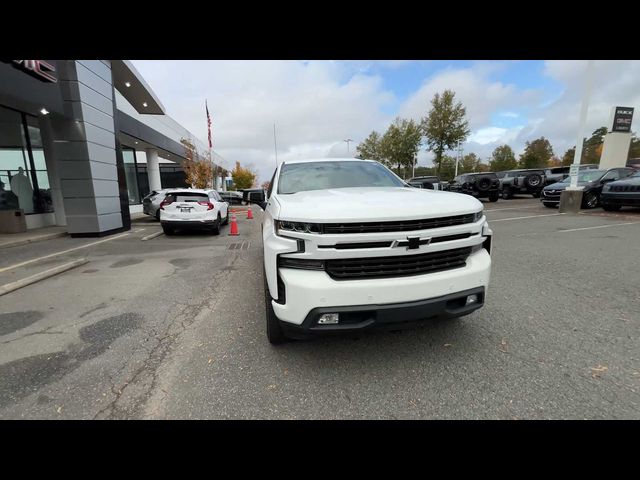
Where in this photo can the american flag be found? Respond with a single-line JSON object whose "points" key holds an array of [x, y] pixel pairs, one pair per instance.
{"points": [[208, 123]]}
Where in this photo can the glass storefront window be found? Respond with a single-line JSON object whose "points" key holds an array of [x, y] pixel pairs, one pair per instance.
{"points": [[24, 183], [129, 157]]}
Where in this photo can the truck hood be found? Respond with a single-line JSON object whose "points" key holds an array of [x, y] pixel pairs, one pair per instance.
{"points": [[363, 204]]}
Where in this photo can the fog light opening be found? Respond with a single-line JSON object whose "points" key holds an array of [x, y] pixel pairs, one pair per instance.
{"points": [[471, 299], [329, 319]]}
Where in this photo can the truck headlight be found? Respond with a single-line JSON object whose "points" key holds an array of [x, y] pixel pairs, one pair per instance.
{"points": [[300, 227], [478, 215]]}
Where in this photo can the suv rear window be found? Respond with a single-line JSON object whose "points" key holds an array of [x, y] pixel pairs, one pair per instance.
{"points": [[187, 197]]}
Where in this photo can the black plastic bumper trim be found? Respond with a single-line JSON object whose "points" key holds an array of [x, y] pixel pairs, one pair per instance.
{"points": [[387, 315]]}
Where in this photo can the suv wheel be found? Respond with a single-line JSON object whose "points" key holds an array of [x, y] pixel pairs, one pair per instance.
{"points": [[158, 215], [506, 193], [275, 335], [483, 184], [533, 180], [226, 219], [536, 194], [167, 230], [216, 226], [494, 197], [590, 200]]}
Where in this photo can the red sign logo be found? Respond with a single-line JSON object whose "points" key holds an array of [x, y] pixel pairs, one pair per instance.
{"points": [[40, 68]]}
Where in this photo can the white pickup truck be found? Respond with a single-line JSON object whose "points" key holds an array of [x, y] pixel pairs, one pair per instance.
{"points": [[348, 245]]}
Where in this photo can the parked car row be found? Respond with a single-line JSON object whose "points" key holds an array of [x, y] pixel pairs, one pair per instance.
{"points": [[593, 183], [612, 189]]}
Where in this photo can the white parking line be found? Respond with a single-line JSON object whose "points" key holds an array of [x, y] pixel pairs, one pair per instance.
{"points": [[510, 208], [11, 267], [522, 218], [600, 226]]}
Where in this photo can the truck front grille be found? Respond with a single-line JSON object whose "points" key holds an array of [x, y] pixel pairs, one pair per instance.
{"points": [[399, 226], [397, 266]]}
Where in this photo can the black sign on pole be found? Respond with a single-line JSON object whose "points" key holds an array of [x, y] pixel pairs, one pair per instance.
{"points": [[622, 119]]}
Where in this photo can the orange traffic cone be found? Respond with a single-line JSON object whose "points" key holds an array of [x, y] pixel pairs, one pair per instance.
{"points": [[249, 214], [234, 225]]}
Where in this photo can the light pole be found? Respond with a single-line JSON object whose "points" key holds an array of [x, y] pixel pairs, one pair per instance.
{"points": [[348, 140], [458, 157], [571, 197]]}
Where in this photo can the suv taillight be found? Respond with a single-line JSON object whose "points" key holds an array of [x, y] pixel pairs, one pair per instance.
{"points": [[164, 203], [209, 205]]}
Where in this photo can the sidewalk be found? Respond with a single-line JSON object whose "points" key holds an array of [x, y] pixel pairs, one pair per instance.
{"points": [[30, 236]]}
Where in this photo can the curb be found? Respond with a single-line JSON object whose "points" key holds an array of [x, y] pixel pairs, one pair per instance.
{"points": [[10, 287], [26, 241]]}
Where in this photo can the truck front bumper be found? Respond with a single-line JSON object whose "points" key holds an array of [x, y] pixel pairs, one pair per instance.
{"points": [[369, 302]]}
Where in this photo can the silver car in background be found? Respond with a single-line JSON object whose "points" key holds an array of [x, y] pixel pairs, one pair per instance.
{"points": [[151, 202]]}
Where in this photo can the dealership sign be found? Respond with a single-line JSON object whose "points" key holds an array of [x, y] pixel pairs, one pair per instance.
{"points": [[38, 68], [622, 119]]}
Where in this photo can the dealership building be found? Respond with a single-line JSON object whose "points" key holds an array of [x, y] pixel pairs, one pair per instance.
{"points": [[82, 142]]}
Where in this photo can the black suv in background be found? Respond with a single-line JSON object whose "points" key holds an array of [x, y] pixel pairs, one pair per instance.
{"points": [[525, 181], [430, 182], [480, 185], [557, 174]]}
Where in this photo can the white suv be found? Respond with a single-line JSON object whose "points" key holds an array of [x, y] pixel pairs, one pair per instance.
{"points": [[348, 245], [190, 208]]}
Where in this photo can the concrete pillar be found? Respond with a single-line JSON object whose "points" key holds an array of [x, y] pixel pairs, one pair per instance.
{"points": [[153, 169], [85, 148]]}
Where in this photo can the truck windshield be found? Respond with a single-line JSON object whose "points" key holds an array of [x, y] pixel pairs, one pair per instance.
{"points": [[300, 177]]}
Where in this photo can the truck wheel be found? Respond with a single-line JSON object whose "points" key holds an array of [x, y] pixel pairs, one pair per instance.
{"points": [[494, 197], [612, 208], [536, 194], [275, 334], [506, 194]]}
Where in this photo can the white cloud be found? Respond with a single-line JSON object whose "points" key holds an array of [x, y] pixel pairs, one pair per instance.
{"points": [[315, 105], [473, 86]]}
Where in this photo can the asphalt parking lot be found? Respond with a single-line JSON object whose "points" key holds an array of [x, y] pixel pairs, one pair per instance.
{"points": [[173, 327]]}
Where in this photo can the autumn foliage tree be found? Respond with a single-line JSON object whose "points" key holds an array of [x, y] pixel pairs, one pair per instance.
{"points": [[243, 177], [198, 172]]}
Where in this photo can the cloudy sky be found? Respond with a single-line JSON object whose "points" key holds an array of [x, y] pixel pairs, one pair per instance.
{"points": [[315, 105]]}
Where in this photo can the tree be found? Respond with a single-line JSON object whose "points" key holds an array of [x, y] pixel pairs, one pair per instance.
{"points": [[592, 148], [537, 154], [503, 159], [399, 145], [369, 149], [445, 126], [567, 158], [198, 172], [447, 168], [265, 185], [470, 163], [243, 177]]}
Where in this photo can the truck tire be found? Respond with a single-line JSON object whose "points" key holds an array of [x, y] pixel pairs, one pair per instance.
{"points": [[493, 197], [275, 335], [506, 193]]}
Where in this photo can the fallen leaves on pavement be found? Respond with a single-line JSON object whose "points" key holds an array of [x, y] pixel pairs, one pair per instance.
{"points": [[599, 370]]}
